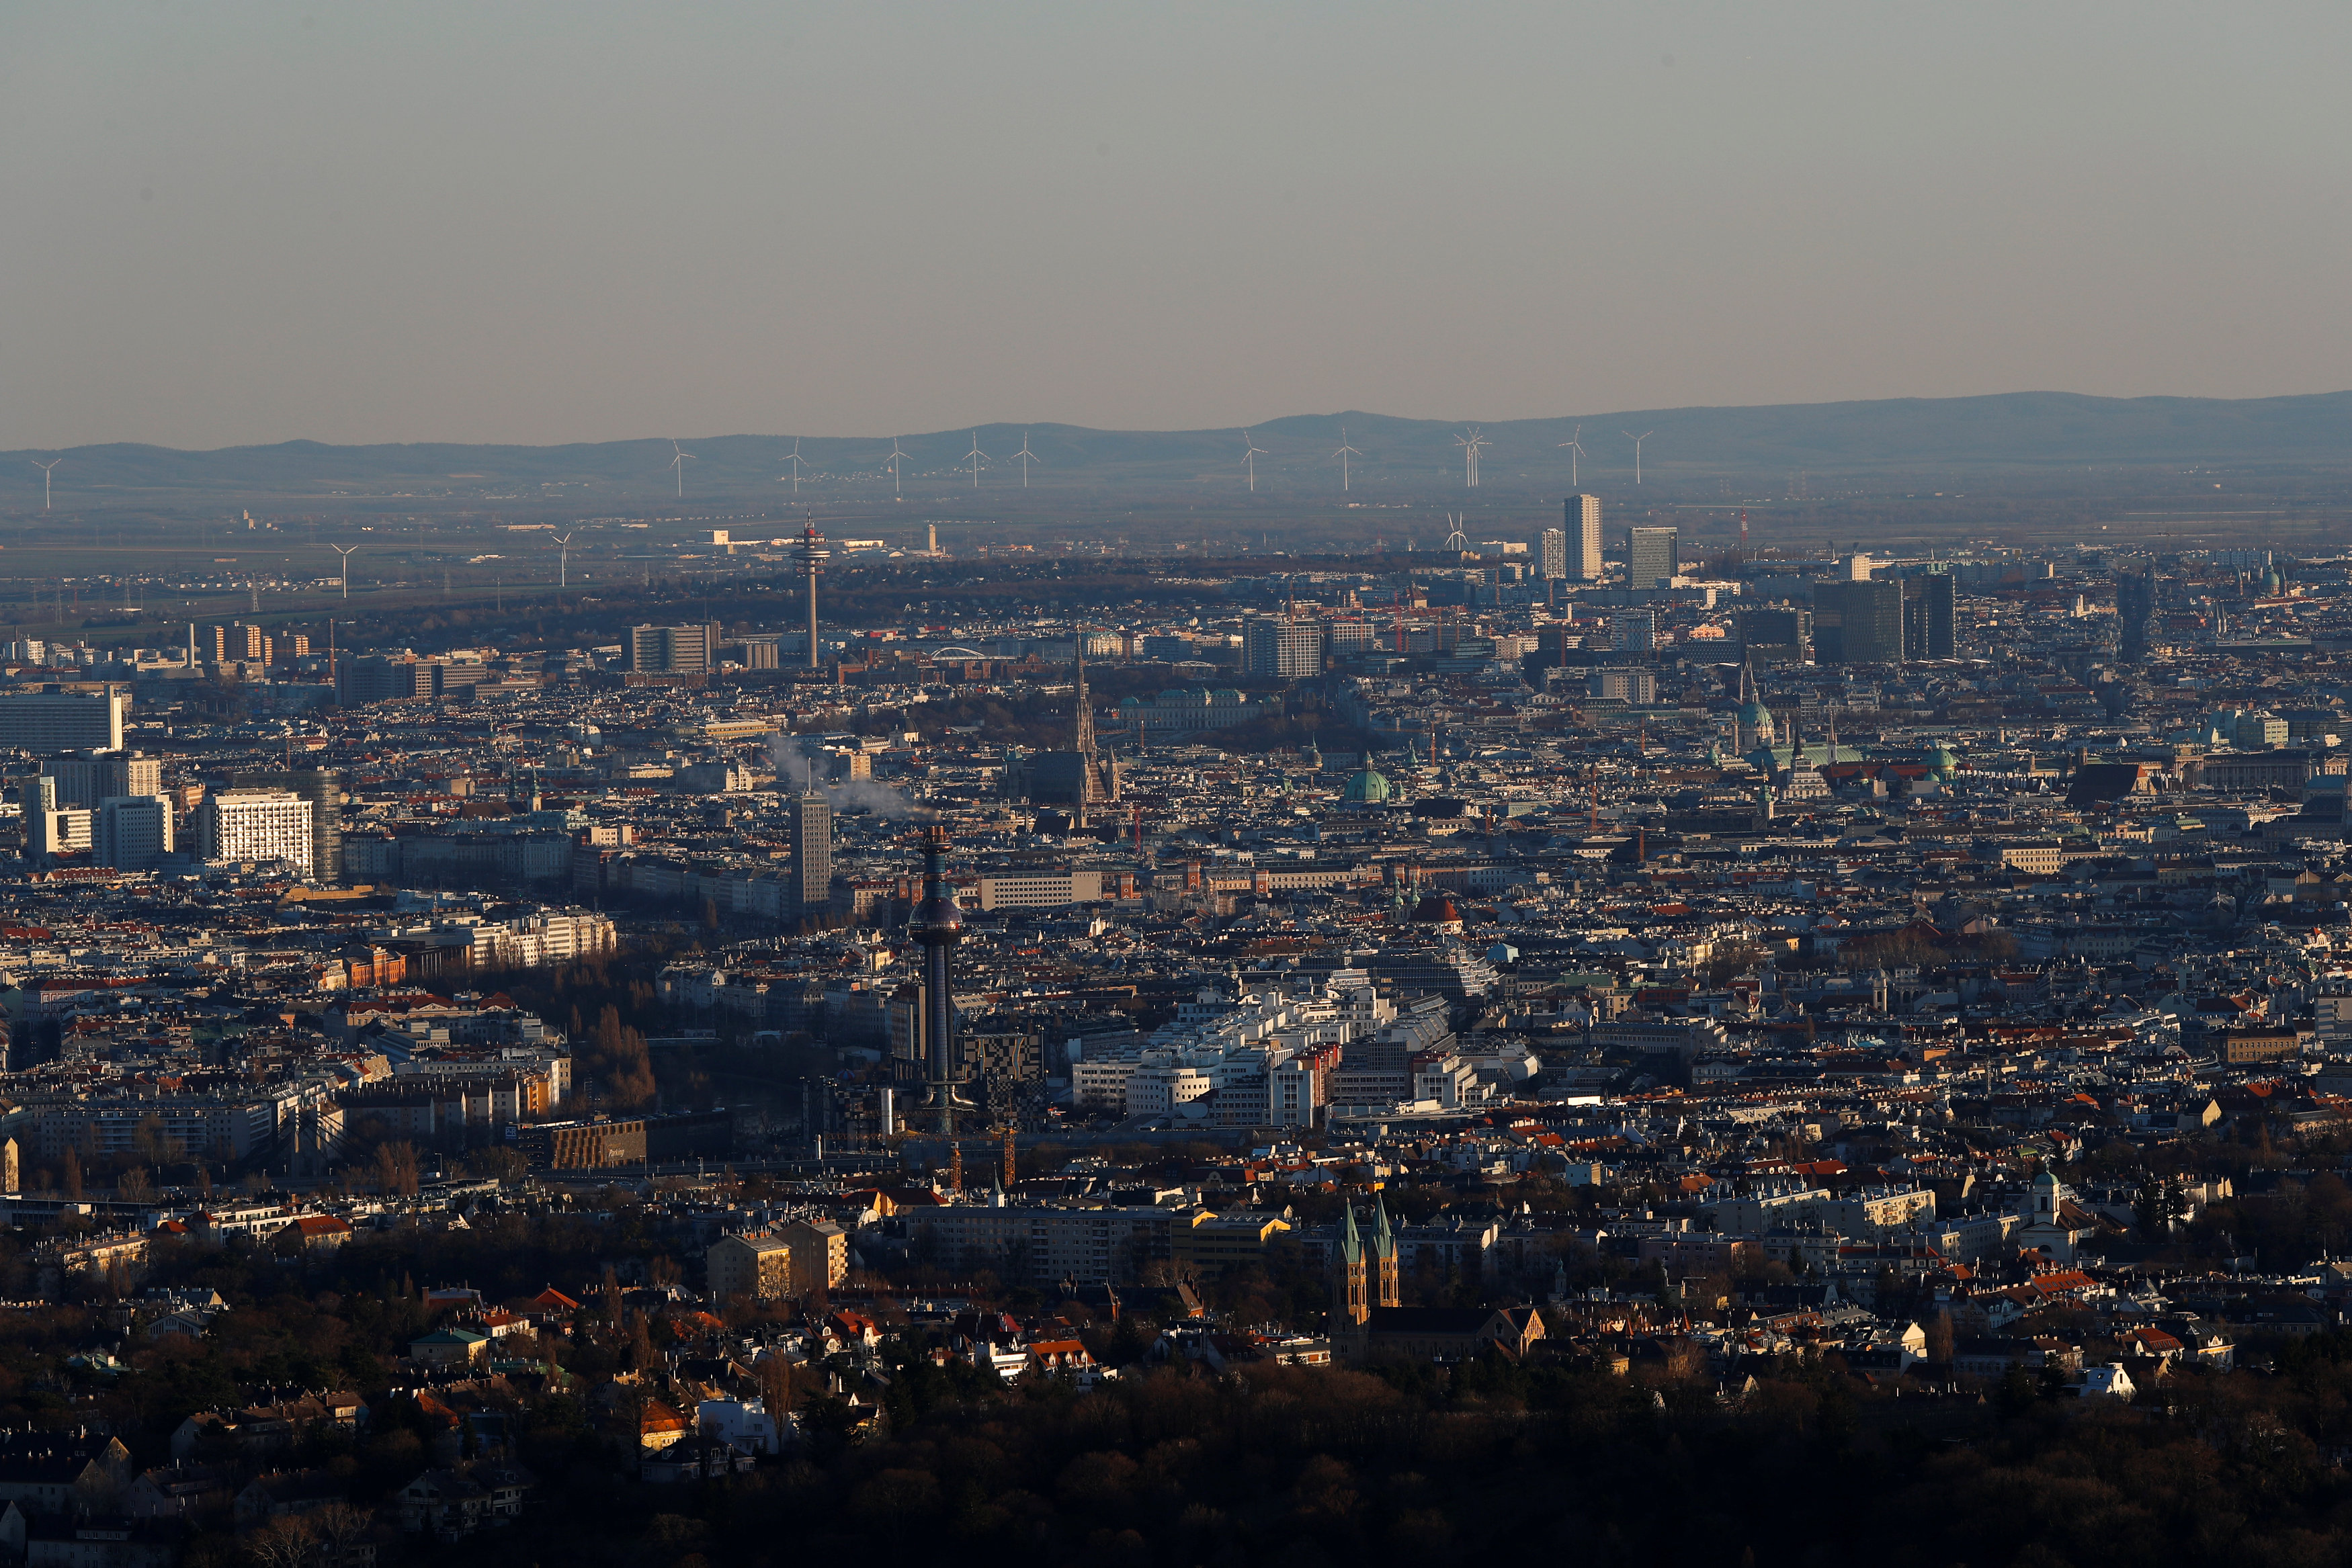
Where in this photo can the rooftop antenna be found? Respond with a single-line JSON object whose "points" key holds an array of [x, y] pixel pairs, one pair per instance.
{"points": [[1575, 450], [975, 456], [346, 552], [1028, 457], [1470, 442], [896, 457], [1637, 441], [563, 558], [678, 460], [1251, 452], [45, 469], [1345, 453], [794, 459]]}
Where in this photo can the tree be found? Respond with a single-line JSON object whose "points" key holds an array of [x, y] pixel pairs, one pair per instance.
{"points": [[134, 1187], [73, 1174], [1940, 1338], [284, 1542]]}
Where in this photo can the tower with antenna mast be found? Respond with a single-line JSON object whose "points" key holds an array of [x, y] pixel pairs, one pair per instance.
{"points": [[937, 927], [810, 553]]}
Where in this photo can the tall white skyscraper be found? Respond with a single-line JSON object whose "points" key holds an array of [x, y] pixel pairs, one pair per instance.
{"points": [[1555, 554], [1582, 521]]}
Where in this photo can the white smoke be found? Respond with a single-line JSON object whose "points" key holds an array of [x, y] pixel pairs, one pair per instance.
{"points": [[800, 770]]}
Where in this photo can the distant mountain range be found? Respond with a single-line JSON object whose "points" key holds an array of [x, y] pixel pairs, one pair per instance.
{"points": [[2019, 432]]}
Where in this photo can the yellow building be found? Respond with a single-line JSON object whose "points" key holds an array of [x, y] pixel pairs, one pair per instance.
{"points": [[759, 1267], [1217, 1242]]}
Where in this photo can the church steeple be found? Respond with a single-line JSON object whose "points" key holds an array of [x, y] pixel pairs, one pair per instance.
{"points": [[1082, 738], [1350, 1283]]}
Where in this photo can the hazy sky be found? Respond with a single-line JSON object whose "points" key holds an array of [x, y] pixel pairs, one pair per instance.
{"points": [[224, 223]]}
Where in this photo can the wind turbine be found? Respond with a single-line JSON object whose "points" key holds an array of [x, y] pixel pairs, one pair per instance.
{"points": [[45, 469], [1028, 457], [1456, 541], [1637, 441], [1470, 442], [896, 457], [975, 457], [563, 558], [1251, 452], [678, 460], [1345, 453], [346, 552], [1575, 450], [795, 461]]}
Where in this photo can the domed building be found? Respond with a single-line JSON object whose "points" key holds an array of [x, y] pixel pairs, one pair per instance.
{"points": [[1941, 764], [1367, 787], [1752, 726]]}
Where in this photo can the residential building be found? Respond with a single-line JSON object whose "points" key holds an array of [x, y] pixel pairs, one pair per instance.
{"points": [[1283, 648], [247, 825], [1581, 522]]}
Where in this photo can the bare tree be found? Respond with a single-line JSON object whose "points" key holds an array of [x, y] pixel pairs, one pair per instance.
{"points": [[338, 1527], [134, 1186], [283, 1542]]}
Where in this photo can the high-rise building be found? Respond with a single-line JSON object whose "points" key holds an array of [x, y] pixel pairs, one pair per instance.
{"points": [[54, 719], [1581, 518], [1777, 634], [133, 831], [811, 820], [1858, 623], [1943, 616], [2135, 610], [1636, 631], [88, 777], [1555, 554], [1283, 647], [682, 655], [254, 825], [1653, 557], [323, 789]]}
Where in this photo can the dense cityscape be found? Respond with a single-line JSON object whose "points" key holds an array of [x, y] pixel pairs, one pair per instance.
{"points": [[1593, 989], [1195, 787]]}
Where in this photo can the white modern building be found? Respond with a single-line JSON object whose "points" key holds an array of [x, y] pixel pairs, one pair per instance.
{"points": [[254, 825], [1583, 525]]}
